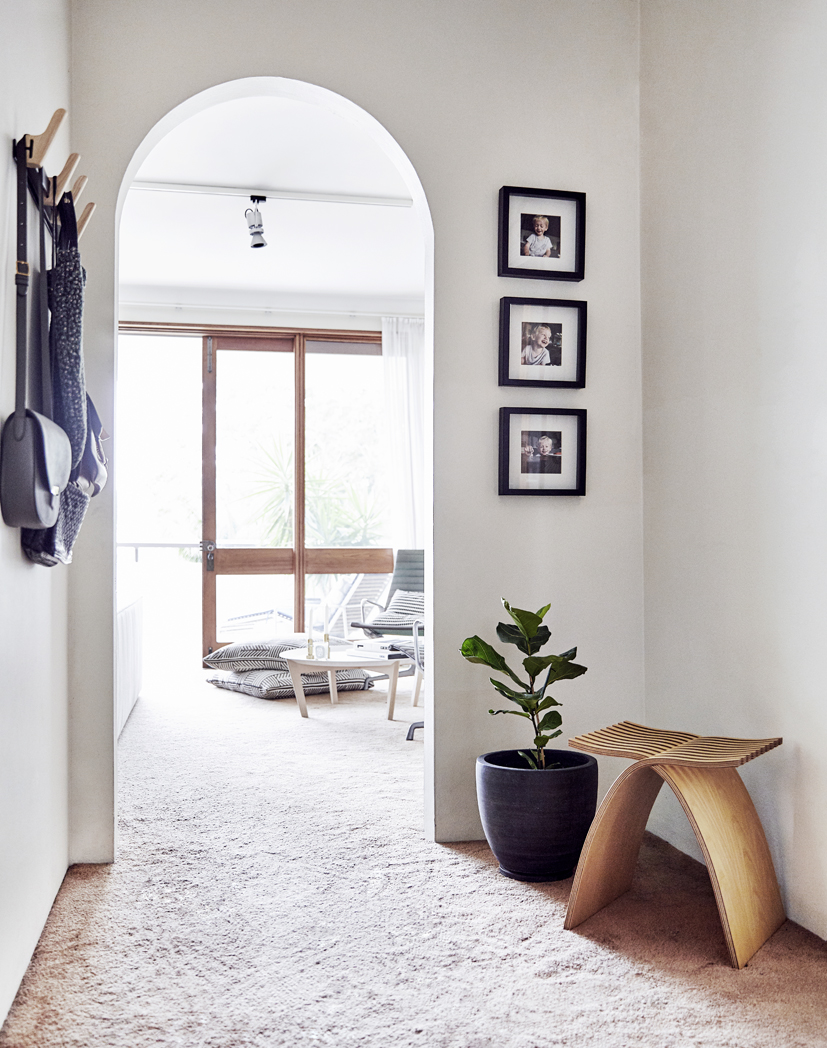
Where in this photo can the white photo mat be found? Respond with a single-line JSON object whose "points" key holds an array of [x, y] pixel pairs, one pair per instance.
{"points": [[566, 210]]}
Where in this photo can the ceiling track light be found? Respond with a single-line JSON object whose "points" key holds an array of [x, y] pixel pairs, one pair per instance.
{"points": [[255, 223]]}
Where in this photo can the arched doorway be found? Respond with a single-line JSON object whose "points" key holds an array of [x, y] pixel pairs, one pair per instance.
{"points": [[182, 227]]}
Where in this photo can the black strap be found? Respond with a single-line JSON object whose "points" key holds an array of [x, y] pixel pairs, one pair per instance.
{"points": [[46, 405], [21, 279]]}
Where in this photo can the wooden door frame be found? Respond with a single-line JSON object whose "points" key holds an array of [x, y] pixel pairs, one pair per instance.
{"points": [[297, 561]]}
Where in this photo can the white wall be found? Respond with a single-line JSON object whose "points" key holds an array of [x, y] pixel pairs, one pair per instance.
{"points": [[458, 88], [34, 81], [733, 165], [734, 214]]}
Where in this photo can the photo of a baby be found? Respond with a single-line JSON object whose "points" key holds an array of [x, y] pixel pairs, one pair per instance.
{"points": [[540, 451], [540, 236], [542, 344]]}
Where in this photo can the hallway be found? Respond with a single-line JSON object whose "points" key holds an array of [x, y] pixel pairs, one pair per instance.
{"points": [[273, 888]]}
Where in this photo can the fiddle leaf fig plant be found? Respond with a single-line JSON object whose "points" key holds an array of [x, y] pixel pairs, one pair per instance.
{"points": [[529, 635]]}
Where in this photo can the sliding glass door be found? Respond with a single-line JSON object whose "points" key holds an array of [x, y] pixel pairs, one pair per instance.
{"points": [[294, 475]]}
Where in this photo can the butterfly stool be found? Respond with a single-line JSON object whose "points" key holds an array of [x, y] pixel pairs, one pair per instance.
{"points": [[701, 772]]}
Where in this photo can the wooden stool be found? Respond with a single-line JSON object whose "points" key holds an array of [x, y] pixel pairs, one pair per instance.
{"points": [[701, 772]]}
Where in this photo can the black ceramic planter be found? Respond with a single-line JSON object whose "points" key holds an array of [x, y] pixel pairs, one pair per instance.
{"points": [[536, 821]]}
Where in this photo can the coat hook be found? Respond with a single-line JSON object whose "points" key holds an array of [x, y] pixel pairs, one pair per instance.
{"points": [[38, 145], [79, 186], [83, 221], [59, 184]]}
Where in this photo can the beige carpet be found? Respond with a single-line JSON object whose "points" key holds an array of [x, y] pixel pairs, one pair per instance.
{"points": [[273, 887]]}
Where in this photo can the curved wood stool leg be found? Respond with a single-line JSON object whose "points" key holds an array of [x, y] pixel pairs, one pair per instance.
{"points": [[607, 862], [738, 858]]}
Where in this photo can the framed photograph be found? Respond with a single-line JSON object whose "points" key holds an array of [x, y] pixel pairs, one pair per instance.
{"points": [[542, 451], [542, 234], [542, 343]]}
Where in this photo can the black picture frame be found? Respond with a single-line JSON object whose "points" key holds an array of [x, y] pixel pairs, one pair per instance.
{"points": [[562, 363], [557, 462], [565, 215]]}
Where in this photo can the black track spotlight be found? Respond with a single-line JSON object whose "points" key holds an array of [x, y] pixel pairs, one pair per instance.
{"points": [[255, 223]]}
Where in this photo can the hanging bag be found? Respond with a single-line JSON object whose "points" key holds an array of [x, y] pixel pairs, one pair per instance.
{"points": [[35, 453], [92, 472], [53, 545]]}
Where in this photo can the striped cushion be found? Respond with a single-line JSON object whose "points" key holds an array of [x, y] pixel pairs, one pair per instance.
{"points": [[275, 684], [405, 607], [254, 654]]}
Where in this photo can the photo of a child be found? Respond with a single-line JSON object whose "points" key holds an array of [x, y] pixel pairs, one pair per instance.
{"points": [[542, 344], [541, 451], [540, 236]]}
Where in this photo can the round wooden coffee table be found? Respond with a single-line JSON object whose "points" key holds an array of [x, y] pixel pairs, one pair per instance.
{"points": [[341, 659]]}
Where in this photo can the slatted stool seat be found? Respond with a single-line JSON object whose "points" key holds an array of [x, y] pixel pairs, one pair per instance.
{"points": [[701, 772]]}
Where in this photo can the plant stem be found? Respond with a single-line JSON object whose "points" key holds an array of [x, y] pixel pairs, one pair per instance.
{"points": [[541, 756]]}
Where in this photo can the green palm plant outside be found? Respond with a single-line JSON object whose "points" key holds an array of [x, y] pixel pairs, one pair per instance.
{"points": [[529, 635], [338, 514], [276, 473]]}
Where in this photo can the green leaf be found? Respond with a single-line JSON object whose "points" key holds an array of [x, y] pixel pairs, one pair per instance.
{"points": [[549, 700], [535, 664], [561, 669], [475, 649], [527, 621], [529, 759], [523, 699], [541, 740], [509, 634], [551, 720], [517, 713], [510, 693]]}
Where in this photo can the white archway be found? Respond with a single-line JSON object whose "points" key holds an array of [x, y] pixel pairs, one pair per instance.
{"points": [[282, 87], [312, 94]]}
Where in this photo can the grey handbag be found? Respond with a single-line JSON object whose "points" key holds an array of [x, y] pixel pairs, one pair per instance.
{"points": [[35, 453], [35, 462]]}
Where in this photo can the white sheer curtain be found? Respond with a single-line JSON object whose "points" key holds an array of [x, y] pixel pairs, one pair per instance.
{"points": [[403, 353]]}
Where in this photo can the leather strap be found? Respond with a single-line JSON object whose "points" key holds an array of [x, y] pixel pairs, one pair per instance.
{"points": [[21, 279], [46, 405]]}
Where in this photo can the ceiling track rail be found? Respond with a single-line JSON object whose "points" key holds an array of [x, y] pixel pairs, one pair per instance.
{"points": [[302, 195]]}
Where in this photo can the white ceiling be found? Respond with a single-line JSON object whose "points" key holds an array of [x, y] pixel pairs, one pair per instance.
{"points": [[192, 251]]}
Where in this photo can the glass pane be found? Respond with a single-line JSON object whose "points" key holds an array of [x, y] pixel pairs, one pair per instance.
{"points": [[346, 502], [252, 607], [343, 595], [254, 448], [158, 410]]}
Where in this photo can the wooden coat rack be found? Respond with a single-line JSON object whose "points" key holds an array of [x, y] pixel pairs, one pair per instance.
{"points": [[37, 147]]}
